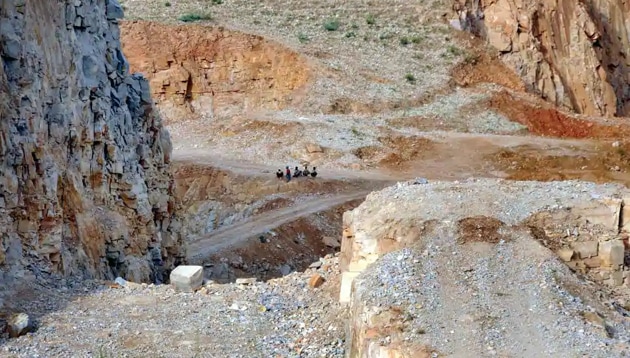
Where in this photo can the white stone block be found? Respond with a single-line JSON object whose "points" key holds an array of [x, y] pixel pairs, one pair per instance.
{"points": [[187, 278], [345, 293]]}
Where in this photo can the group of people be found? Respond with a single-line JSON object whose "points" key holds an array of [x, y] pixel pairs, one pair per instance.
{"points": [[296, 173]]}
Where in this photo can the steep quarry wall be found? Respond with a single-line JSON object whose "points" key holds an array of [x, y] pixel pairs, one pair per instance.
{"points": [[212, 71], [572, 53], [84, 160]]}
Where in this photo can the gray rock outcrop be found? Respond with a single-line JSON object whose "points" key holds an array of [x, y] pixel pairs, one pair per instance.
{"points": [[85, 187]]}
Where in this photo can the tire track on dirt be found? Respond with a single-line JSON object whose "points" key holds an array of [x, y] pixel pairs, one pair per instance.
{"points": [[238, 233]]}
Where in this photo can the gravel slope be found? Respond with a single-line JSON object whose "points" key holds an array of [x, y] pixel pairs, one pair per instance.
{"points": [[280, 318]]}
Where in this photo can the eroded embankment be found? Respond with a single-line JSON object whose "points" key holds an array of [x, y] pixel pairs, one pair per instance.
{"points": [[211, 71]]}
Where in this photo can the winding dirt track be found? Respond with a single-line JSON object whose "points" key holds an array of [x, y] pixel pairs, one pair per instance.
{"points": [[459, 156], [237, 233]]}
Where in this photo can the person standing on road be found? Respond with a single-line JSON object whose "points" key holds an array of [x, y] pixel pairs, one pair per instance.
{"points": [[288, 174]]}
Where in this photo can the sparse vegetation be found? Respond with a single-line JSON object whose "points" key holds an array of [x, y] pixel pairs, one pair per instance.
{"points": [[303, 38], [471, 58], [192, 17], [410, 78], [332, 25], [356, 132], [370, 19], [455, 51], [385, 36], [351, 34], [416, 39]]}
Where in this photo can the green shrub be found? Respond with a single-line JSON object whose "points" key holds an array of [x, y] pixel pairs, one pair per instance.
{"points": [[385, 36], [195, 17], [332, 25], [405, 41], [167, 4], [410, 78], [217, 2], [350, 34], [303, 38], [370, 19], [416, 39], [455, 51]]}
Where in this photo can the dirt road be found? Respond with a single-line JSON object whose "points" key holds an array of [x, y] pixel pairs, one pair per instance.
{"points": [[457, 156], [237, 233], [249, 168]]}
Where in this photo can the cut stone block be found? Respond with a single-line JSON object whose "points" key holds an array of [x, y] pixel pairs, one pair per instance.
{"points": [[605, 212], [616, 278], [586, 249], [187, 278], [565, 254], [625, 215], [611, 253], [246, 281], [593, 262], [345, 293]]}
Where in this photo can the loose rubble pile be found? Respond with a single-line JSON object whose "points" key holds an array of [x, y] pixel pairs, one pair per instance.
{"points": [[473, 277], [293, 316]]}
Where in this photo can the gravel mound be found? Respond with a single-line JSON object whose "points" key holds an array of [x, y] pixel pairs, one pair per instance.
{"points": [[284, 317]]}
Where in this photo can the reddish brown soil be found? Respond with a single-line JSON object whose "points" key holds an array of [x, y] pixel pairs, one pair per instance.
{"points": [[185, 62], [266, 127], [405, 149], [549, 122], [480, 229], [368, 152], [481, 67], [194, 182], [605, 164]]}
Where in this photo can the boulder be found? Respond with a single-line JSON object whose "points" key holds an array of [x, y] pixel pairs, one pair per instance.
{"points": [[586, 249], [314, 148], [246, 281], [611, 253], [187, 278], [19, 324], [316, 280], [565, 254], [331, 242]]}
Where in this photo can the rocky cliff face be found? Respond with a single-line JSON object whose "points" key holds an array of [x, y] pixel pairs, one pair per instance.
{"points": [[573, 53], [212, 71], [84, 179]]}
